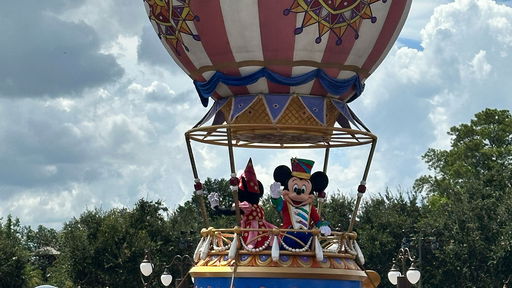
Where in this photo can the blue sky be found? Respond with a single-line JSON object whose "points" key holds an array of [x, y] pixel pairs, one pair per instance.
{"points": [[93, 110]]}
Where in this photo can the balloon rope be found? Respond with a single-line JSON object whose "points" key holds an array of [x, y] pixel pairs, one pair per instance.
{"points": [[363, 182], [196, 176]]}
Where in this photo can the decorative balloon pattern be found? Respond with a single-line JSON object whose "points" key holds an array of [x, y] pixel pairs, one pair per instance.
{"points": [[335, 16], [170, 20], [234, 40]]}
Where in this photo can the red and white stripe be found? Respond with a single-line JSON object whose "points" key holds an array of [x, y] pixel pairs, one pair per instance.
{"points": [[256, 30]]}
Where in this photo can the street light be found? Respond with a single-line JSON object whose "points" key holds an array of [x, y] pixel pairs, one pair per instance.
{"points": [[166, 277], [421, 241], [397, 277], [146, 269]]}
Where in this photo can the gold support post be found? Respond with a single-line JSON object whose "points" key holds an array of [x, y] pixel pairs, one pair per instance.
{"points": [[326, 159], [363, 182], [196, 176], [235, 198], [233, 172], [326, 162]]}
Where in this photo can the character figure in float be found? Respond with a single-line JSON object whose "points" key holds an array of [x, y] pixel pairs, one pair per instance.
{"points": [[295, 201], [250, 191]]}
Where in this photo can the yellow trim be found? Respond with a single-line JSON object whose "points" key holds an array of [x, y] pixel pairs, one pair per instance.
{"points": [[305, 6], [289, 253], [279, 62], [331, 137], [302, 175], [160, 3], [279, 272]]}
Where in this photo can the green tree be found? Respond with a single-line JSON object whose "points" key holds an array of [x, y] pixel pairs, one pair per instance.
{"points": [[466, 208], [468, 204], [220, 186], [15, 267], [383, 223], [43, 245], [337, 210], [104, 249]]}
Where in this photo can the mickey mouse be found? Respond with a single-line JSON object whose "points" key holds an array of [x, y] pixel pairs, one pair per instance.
{"points": [[295, 201], [250, 190]]}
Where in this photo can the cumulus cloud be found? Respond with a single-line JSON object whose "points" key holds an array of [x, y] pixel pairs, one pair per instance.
{"points": [[419, 15], [43, 55], [109, 18], [123, 138], [151, 51], [117, 149], [416, 95]]}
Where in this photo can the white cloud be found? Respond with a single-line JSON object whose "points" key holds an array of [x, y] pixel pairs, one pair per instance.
{"points": [[479, 66], [108, 145], [416, 96], [46, 56], [419, 15]]}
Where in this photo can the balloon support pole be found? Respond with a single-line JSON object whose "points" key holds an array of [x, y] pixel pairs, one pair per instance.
{"points": [[233, 174], [196, 176], [363, 182]]}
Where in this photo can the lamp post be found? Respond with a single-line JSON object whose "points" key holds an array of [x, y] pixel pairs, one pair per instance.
{"points": [[421, 241], [147, 266], [396, 274], [182, 262], [505, 283]]}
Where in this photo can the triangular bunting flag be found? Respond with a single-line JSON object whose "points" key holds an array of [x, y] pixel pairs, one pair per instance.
{"points": [[213, 111], [219, 118], [343, 108], [315, 106], [343, 122], [240, 103], [276, 105]]}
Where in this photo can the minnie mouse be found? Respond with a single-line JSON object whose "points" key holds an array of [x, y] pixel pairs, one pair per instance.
{"points": [[250, 190], [295, 201]]}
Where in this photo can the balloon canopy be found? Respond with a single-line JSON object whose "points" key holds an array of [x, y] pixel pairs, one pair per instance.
{"points": [[311, 47], [295, 61]]}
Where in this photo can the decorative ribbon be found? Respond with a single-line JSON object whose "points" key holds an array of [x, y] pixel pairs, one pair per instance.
{"points": [[333, 85], [275, 249], [318, 250], [206, 247], [360, 255], [199, 247], [234, 246]]}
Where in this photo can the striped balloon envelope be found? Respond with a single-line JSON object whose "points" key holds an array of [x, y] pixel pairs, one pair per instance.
{"points": [[287, 62]]}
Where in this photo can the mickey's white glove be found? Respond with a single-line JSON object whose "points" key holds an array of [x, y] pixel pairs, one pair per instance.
{"points": [[214, 199], [325, 230], [275, 190]]}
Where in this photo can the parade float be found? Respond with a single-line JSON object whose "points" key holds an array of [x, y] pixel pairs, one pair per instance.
{"points": [[280, 75]]}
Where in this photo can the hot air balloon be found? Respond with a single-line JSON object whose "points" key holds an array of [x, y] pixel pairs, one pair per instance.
{"points": [[280, 74]]}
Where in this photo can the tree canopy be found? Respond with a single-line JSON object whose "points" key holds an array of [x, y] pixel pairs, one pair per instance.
{"points": [[469, 197], [456, 220]]}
